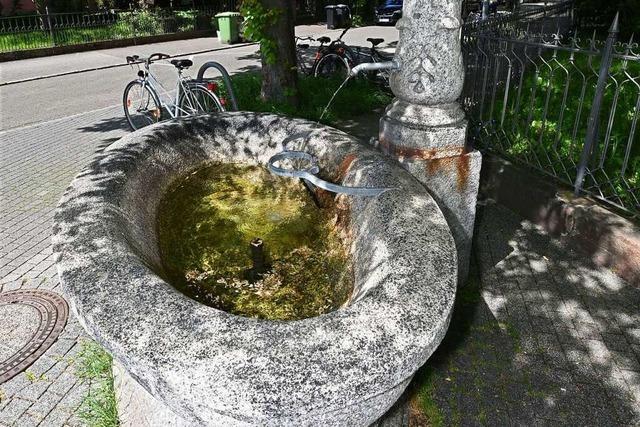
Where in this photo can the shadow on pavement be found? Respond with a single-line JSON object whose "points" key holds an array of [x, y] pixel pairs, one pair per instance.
{"points": [[539, 336], [107, 125]]}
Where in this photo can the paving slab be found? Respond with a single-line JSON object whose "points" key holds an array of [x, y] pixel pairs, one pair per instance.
{"points": [[563, 359], [36, 165]]}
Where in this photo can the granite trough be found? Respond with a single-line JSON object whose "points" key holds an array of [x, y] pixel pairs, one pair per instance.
{"points": [[208, 367]]}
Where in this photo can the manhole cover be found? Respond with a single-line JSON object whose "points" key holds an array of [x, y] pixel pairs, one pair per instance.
{"points": [[30, 321]]}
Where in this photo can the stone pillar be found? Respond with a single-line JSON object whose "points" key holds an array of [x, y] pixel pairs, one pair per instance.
{"points": [[425, 128]]}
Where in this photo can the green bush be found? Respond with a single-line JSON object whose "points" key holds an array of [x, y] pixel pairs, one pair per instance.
{"points": [[143, 22], [130, 24], [186, 20]]}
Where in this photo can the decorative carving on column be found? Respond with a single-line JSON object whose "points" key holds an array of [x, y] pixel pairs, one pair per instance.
{"points": [[425, 127], [428, 52]]}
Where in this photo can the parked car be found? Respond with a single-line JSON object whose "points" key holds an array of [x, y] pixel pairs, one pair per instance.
{"points": [[388, 12]]}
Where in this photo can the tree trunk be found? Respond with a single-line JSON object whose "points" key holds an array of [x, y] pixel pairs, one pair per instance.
{"points": [[279, 77]]}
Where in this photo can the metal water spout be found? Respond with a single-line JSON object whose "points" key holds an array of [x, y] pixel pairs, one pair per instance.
{"points": [[374, 66], [424, 128]]}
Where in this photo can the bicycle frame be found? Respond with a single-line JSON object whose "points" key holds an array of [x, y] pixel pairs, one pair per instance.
{"points": [[150, 82], [301, 62]]}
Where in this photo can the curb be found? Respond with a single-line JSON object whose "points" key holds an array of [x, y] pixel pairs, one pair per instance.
{"points": [[105, 67], [609, 239]]}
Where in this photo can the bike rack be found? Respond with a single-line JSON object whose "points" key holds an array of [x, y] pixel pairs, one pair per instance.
{"points": [[225, 77]]}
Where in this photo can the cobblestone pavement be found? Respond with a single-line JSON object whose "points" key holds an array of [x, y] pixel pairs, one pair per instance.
{"points": [[36, 165], [545, 338]]}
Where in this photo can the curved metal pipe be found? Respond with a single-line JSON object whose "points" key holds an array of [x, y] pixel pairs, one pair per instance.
{"points": [[308, 174], [374, 66], [225, 77]]}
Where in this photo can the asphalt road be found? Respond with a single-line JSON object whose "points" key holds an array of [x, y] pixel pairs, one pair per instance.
{"points": [[58, 97]]}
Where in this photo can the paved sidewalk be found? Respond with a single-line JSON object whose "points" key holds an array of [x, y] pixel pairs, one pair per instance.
{"points": [[545, 337], [36, 165]]}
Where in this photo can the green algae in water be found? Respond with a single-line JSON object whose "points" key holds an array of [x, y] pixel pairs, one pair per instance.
{"points": [[206, 221]]}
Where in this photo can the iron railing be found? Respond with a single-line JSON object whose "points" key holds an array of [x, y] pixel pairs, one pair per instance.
{"points": [[525, 15], [58, 29], [564, 105]]}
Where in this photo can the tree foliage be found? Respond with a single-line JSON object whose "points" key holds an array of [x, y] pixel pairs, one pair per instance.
{"points": [[271, 22]]}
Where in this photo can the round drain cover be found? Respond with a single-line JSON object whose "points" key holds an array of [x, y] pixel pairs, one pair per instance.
{"points": [[30, 321]]}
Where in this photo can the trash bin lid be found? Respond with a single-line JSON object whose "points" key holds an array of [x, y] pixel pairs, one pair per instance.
{"points": [[331, 6], [342, 6], [223, 14]]}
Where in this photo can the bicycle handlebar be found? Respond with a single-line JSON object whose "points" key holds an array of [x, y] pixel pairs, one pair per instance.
{"points": [[157, 56], [148, 60]]}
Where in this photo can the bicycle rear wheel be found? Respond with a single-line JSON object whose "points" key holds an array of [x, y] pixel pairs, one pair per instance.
{"points": [[141, 105], [332, 65], [198, 100]]}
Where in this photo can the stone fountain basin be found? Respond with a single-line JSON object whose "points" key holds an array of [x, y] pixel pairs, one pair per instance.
{"points": [[210, 367]]}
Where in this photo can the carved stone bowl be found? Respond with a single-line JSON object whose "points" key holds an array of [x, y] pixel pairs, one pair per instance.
{"points": [[203, 366]]}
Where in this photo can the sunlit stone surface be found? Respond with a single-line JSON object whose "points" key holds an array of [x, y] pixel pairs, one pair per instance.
{"points": [[204, 366]]}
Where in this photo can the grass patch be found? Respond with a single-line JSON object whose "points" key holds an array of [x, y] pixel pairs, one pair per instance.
{"points": [[424, 410], [93, 365], [359, 96], [32, 377]]}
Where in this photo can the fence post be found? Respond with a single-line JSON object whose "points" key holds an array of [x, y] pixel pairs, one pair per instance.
{"points": [[46, 10], [594, 115], [485, 9]]}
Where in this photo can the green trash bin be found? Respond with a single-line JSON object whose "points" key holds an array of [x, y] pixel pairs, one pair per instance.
{"points": [[228, 31]]}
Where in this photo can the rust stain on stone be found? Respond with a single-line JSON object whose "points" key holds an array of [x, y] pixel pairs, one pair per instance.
{"points": [[452, 158], [342, 204], [345, 165], [324, 198], [413, 153], [460, 164]]}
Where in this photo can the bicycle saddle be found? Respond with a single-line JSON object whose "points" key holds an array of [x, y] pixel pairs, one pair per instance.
{"points": [[324, 39], [182, 63], [375, 42], [303, 46]]}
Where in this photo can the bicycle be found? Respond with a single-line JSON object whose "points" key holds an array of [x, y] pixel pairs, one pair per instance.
{"points": [[336, 58], [302, 61], [143, 105]]}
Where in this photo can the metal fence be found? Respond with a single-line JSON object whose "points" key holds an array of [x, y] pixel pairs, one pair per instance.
{"points": [[524, 15], [57, 29], [565, 105]]}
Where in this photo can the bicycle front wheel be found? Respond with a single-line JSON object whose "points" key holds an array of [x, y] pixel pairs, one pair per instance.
{"points": [[332, 65], [141, 105], [198, 100]]}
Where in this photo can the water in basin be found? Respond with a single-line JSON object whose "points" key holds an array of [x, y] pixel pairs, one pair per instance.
{"points": [[208, 218]]}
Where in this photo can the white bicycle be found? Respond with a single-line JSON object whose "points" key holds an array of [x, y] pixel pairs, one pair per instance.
{"points": [[143, 104]]}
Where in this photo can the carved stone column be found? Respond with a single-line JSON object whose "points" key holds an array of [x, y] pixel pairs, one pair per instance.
{"points": [[425, 128]]}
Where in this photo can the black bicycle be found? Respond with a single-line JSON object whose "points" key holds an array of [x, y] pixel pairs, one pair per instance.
{"points": [[336, 59], [325, 63]]}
